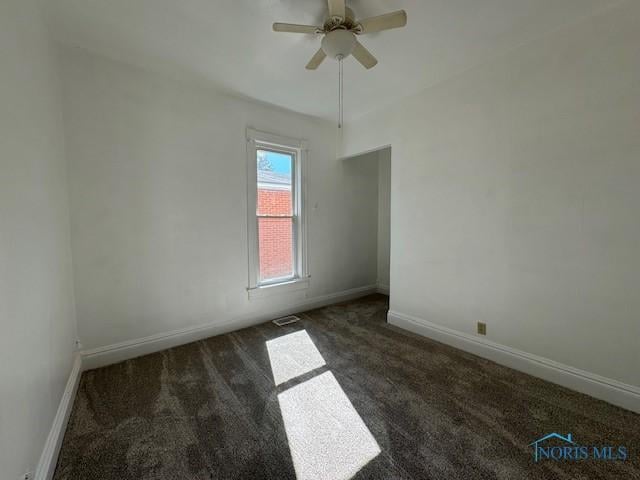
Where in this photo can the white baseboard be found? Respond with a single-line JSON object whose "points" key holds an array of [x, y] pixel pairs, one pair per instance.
{"points": [[384, 289], [49, 458], [607, 389], [103, 356]]}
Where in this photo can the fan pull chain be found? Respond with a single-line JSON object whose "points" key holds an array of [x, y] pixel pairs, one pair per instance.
{"points": [[340, 93]]}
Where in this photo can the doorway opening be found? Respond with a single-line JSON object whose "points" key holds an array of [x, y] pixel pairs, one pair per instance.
{"points": [[375, 166]]}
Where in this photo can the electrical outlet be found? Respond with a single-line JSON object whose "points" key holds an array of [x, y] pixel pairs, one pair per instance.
{"points": [[27, 476], [482, 328]]}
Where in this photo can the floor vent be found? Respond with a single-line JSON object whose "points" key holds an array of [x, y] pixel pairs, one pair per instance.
{"points": [[281, 322]]}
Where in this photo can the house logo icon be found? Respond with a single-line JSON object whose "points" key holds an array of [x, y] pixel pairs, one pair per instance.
{"points": [[539, 450]]}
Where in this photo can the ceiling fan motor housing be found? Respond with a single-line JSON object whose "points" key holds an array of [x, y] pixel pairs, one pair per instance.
{"points": [[339, 43]]}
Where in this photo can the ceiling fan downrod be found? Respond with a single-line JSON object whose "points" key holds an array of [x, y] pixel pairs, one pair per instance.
{"points": [[340, 92]]}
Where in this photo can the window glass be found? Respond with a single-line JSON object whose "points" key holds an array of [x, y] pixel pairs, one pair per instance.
{"points": [[275, 212]]}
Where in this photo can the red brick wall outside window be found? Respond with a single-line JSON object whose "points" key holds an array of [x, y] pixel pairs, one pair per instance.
{"points": [[275, 235]]}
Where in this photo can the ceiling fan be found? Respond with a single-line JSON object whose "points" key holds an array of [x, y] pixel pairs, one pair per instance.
{"points": [[340, 30], [339, 40]]}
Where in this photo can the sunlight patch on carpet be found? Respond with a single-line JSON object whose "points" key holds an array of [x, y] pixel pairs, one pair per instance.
{"points": [[327, 438], [293, 355]]}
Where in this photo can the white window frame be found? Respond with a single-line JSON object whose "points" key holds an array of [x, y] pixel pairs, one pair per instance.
{"points": [[257, 140]]}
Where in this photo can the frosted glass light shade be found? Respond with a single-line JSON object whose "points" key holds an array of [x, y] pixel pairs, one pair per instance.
{"points": [[338, 43]]}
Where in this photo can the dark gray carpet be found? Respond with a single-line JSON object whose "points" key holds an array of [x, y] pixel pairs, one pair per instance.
{"points": [[354, 393]]}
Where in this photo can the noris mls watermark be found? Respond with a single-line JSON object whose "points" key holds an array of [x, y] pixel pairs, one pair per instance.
{"points": [[547, 448]]}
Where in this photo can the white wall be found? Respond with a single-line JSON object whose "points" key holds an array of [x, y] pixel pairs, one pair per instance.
{"points": [[36, 297], [158, 199], [515, 193], [384, 216]]}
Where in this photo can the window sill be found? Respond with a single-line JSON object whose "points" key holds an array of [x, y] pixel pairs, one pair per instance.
{"points": [[278, 288]]}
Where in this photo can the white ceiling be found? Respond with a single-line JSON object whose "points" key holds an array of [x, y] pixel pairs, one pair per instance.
{"points": [[229, 43]]}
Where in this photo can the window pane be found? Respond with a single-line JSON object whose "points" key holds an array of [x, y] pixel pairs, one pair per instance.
{"points": [[274, 183], [275, 247]]}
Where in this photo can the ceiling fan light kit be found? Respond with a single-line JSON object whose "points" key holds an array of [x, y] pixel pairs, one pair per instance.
{"points": [[338, 44], [339, 40]]}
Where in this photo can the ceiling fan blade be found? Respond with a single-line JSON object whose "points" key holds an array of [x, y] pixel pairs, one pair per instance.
{"points": [[293, 28], [316, 60], [383, 22], [337, 9], [364, 56]]}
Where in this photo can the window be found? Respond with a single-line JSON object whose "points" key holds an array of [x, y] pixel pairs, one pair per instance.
{"points": [[276, 221], [275, 212]]}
